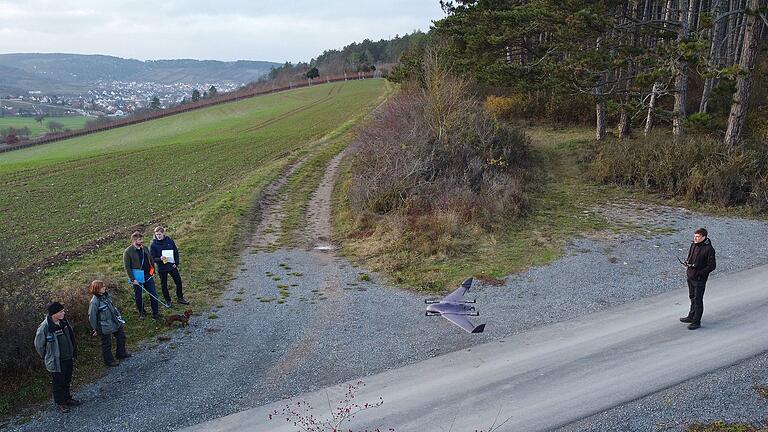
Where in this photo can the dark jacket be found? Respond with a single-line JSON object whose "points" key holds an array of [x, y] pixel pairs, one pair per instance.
{"points": [[701, 260], [158, 246], [47, 344], [132, 259], [103, 315]]}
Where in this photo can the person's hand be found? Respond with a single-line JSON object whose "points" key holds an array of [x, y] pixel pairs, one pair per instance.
{"points": [[94, 334], [164, 260], [174, 266], [135, 282]]}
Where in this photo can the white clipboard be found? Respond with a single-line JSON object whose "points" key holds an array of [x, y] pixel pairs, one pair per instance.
{"points": [[168, 254]]}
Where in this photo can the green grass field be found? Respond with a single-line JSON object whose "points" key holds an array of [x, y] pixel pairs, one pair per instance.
{"points": [[38, 129], [61, 195], [199, 173]]}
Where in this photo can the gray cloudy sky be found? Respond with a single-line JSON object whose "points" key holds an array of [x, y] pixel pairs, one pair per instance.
{"points": [[221, 29]]}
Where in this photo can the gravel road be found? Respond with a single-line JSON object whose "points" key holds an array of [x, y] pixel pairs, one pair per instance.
{"points": [[330, 326]]}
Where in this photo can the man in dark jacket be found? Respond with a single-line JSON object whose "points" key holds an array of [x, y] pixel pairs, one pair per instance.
{"points": [[700, 263], [137, 257], [165, 255], [55, 342]]}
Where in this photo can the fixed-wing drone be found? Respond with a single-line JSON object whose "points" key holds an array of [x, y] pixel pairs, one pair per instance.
{"points": [[455, 309]]}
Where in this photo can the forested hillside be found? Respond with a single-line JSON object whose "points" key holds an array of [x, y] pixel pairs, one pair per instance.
{"points": [[356, 57]]}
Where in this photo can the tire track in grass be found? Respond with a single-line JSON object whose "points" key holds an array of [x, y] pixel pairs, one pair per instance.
{"points": [[291, 113], [270, 211], [19, 177], [114, 233]]}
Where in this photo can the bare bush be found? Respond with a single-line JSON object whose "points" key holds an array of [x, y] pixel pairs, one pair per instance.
{"points": [[701, 169], [23, 303], [300, 413], [434, 151], [22, 308]]}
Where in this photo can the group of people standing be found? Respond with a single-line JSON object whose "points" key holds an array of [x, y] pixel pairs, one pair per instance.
{"points": [[55, 339], [140, 263]]}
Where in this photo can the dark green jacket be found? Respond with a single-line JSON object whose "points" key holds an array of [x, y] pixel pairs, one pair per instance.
{"points": [[132, 260]]}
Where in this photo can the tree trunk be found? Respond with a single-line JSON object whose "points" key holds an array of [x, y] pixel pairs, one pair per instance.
{"points": [[651, 108], [714, 59], [600, 123], [730, 47], [692, 8], [739, 38], [681, 80], [740, 104], [624, 128]]}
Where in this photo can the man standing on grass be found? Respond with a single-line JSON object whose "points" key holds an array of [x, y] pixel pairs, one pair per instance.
{"points": [[700, 263], [166, 255], [55, 342], [138, 266]]}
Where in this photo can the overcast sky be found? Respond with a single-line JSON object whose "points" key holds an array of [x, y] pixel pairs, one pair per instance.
{"points": [[273, 30]]}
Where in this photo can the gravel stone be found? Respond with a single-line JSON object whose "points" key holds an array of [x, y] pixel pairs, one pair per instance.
{"points": [[260, 351]]}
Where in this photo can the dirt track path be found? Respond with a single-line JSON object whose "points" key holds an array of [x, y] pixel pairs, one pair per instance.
{"points": [[319, 232]]}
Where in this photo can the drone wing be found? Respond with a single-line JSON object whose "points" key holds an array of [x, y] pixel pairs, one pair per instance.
{"points": [[458, 294], [463, 322]]}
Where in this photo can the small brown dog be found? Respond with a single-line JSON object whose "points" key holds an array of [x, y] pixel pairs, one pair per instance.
{"points": [[183, 319]]}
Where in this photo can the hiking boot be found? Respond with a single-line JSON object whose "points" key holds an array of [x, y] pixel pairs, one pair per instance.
{"points": [[124, 356], [142, 315], [62, 408], [113, 363], [156, 316], [183, 301], [693, 326], [686, 319], [72, 402]]}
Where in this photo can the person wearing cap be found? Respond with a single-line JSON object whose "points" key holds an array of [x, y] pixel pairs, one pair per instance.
{"points": [[55, 342]]}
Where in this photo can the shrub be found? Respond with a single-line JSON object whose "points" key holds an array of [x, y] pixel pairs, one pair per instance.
{"points": [[701, 169], [700, 123], [569, 109], [511, 107], [435, 149], [23, 303], [434, 159], [555, 108], [22, 308]]}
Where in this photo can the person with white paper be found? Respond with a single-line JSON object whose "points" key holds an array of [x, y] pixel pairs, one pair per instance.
{"points": [[165, 255]]}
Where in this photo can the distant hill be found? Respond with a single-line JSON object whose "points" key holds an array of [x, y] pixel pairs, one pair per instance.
{"points": [[71, 73]]}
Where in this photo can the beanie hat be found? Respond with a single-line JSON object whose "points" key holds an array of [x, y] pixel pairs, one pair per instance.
{"points": [[55, 308]]}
